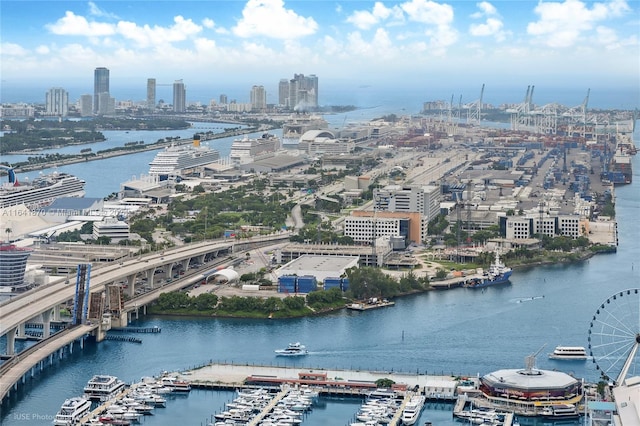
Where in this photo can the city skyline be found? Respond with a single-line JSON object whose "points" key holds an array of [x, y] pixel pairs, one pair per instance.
{"points": [[572, 43]]}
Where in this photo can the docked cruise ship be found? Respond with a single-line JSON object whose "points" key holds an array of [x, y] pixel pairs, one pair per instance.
{"points": [[298, 125], [41, 191], [245, 150], [180, 160]]}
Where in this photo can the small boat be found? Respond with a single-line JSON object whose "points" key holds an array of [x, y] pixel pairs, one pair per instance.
{"points": [[294, 349], [577, 353]]}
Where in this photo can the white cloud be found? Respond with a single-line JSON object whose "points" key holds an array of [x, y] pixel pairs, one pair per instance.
{"points": [[492, 26], [563, 24], [208, 23], [269, 18], [429, 12], [13, 49], [94, 10], [147, 36], [364, 20], [72, 24]]}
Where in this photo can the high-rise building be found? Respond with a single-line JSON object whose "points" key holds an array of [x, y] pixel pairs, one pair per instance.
{"points": [[86, 105], [303, 92], [151, 93], [224, 100], [13, 262], [258, 98], [100, 85], [57, 102], [106, 104], [179, 96], [283, 92]]}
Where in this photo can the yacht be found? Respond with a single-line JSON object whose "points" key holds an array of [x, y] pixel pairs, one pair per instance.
{"points": [[174, 384], [102, 387], [72, 411], [294, 349], [569, 352], [413, 409]]}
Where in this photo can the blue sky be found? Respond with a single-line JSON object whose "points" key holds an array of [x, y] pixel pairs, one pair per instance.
{"points": [[566, 44]]}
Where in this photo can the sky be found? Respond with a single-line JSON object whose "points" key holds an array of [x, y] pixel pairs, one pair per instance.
{"points": [[560, 44]]}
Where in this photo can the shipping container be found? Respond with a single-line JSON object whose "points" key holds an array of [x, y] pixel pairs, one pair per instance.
{"points": [[307, 284]]}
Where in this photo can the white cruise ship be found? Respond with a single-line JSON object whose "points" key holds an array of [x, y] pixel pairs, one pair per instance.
{"points": [[298, 125], [72, 411], [177, 160], [245, 150], [41, 191]]}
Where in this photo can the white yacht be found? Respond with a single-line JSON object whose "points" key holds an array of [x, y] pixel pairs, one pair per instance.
{"points": [[413, 409], [102, 387], [569, 352], [294, 349], [72, 411]]}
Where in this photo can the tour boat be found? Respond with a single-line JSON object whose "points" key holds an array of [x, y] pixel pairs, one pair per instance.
{"points": [[102, 387], [560, 411], [569, 352], [72, 411]]}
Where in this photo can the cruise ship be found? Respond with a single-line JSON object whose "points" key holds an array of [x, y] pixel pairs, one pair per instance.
{"points": [[180, 160], [41, 191], [245, 150], [298, 125]]}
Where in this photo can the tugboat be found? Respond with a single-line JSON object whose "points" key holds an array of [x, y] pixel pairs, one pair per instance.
{"points": [[294, 349]]}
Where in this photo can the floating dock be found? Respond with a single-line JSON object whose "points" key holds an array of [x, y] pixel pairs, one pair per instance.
{"points": [[365, 306]]}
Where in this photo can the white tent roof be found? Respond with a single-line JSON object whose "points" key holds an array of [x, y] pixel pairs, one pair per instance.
{"points": [[229, 274]]}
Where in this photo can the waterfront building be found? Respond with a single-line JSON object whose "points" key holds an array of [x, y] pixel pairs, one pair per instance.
{"points": [[100, 85], [323, 142], [179, 96], [17, 111], [523, 227], [309, 270], [13, 262], [106, 104], [111, 228], [57, 102], [86, 105], [397, 198], [258, 98], [151, 94]]}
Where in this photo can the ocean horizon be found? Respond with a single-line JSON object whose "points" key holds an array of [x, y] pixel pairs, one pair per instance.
{"points": [[396, 98]]}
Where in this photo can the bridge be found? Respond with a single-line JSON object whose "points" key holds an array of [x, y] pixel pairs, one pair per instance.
{"points": [[42, 304]]}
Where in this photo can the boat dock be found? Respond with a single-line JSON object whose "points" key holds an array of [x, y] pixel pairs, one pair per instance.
{"points": [[269, 408], [365, 306]]}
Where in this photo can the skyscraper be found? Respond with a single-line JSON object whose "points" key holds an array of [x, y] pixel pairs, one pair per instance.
{"points": [[57, 102], [100, 85], [179, 97], [258, 98], [303, 92], [86, 105], [151, 93], [283, 92], [224, 100]]}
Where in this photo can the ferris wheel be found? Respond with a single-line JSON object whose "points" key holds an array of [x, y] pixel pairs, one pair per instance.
{"points": [[614, 336]]}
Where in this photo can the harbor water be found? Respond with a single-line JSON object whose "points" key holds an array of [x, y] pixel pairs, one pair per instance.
{"points": [[459, 331]]}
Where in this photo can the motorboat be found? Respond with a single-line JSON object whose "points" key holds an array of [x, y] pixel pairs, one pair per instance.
{"points": [[294, 349], [72, 410], [413, 409], [174, 384], [102, 387], [569, 352]]}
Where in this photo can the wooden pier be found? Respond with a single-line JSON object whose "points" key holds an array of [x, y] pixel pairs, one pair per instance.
{"points": [[268, 408]]}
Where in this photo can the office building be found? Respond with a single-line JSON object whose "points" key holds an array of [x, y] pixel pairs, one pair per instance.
{"points": [[111, 228], [224, 100], [100, 85], [397, 198], [151, 93], [86, 105], [13, 262], [106, 104], [179, 96], [57, 102], [283, 92], [258, 98]]}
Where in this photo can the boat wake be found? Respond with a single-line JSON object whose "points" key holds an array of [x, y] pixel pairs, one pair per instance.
{"points": [[528, 299]]}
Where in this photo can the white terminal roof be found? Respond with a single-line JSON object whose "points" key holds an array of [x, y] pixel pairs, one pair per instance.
{"points": [[529, 379], [320, 267]]}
